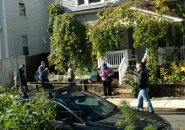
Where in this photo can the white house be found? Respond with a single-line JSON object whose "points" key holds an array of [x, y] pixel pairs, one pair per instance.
{"points": [[86, 10], [23, 27], [23, 32]]}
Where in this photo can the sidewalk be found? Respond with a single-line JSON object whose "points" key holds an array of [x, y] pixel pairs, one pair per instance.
{"points": [[159, 104]]}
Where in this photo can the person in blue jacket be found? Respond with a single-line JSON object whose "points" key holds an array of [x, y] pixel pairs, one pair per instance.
{"points": [[43, 72]]}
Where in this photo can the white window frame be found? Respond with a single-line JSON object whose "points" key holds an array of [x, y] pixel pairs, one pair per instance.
{"points": [[22, 8], [86, 2]]}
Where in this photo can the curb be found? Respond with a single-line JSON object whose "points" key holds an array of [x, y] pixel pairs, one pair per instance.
{"points": [[165, 109]]}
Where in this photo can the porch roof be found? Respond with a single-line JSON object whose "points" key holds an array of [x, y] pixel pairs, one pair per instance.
{"points": [[168, 17]]}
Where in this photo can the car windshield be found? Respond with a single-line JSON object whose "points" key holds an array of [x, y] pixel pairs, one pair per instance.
{"points": [[93, 107]]}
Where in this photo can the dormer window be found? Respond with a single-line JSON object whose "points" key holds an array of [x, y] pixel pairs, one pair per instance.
{"points": [[94, 1], [87, 2], [81, 2]]}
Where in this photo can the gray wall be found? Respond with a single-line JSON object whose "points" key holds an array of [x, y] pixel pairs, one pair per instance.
{"points": [[34, 25], [7, 69], [1, 25], [1, 13]]}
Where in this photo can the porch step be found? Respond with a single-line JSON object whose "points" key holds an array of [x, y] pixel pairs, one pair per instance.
{"points": [[122, 92]]}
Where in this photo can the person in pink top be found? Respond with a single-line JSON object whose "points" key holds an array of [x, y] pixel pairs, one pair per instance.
{"points": [[106, 74]]}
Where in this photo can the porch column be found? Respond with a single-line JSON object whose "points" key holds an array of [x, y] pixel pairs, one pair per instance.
{"points": [[160, 59]]}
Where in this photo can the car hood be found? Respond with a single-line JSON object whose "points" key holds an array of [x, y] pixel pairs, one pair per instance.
{"points": [[142, 119]]}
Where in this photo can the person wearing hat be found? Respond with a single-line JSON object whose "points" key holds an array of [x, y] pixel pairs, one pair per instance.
{"points": [[106, 74]]}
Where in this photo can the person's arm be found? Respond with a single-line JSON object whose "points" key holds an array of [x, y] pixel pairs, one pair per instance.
{"points": [[40, 71], [111, 72], [102, 73]]}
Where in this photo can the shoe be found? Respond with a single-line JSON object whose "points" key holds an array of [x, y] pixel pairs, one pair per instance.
{"points": [[104, 97]]}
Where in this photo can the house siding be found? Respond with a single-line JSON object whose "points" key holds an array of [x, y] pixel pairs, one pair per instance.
{"points": [[69, 5], [34, 25], [1, 13], [88, 18], [1, 24]]}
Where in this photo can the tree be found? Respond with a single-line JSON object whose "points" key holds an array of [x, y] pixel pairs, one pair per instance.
{"points": [[53, 10], [69, 43]]}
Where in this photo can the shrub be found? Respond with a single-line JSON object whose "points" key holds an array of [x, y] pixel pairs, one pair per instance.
{"points": [[132, 75], [35, 114]]}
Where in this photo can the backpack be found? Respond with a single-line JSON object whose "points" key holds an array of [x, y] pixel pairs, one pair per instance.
{"points": [[36, 76]]}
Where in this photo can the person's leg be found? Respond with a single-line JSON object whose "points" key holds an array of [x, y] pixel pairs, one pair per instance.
{"points": [[140, 99], [109, 88], [142, 103], [147, 99], [25, 85], [22, 86], [105, 88]]}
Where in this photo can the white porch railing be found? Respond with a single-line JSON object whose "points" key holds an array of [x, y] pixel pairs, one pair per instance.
{"points": [[112, 58], [167, 52], [123, 67]]}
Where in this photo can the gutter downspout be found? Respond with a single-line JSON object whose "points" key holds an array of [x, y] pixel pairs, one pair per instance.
{"points": [[5, 29]]}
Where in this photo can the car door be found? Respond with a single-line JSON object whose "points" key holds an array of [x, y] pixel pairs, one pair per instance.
{"points": [[67, 119]]}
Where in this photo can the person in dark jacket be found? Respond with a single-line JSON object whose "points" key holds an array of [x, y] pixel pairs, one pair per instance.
{"points": [[23, 78], [143, 88]]}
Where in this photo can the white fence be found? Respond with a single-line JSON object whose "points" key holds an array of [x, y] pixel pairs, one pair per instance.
{"points": [[123, 68], [8, 70], [168, 53], [112, 58]]}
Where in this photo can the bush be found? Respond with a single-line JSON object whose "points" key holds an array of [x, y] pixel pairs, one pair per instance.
{"points": [[132, 81], [35, 114]]}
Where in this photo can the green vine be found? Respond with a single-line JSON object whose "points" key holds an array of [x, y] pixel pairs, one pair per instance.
{"points": [[148, 30], [69, 43], [54, 10]]}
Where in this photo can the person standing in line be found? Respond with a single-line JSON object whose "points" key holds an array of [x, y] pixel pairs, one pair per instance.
{"points": [[23, 78], [43, 72], [106, 74], [71, 74], [143, 88]]}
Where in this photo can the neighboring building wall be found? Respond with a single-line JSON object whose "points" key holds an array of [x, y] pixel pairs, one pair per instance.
{"points": [[8, 68], [4, 52], [30, 28], [1, 24]]}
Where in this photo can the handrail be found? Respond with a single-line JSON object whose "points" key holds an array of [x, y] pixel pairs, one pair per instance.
{"points": [[123, 67]]}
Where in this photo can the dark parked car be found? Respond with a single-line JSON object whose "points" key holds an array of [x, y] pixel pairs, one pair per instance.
{"points": [[81, 110]]}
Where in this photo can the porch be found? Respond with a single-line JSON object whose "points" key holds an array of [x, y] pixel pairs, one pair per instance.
{"points": [[119, 61]]}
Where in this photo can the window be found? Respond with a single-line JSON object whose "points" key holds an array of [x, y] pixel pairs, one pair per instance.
{"points": [[25, 45], [81, 2], [22, 9], [87, 2], [93, 1]]}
